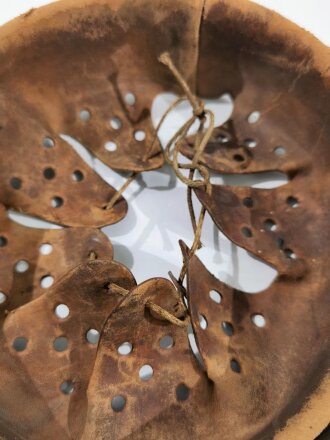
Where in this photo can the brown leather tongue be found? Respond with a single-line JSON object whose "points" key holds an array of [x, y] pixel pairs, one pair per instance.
{"points": [[269, 223], [33, 259], [96, 75], [145, 379], [53, 342], [44, 177], [255, 348]]}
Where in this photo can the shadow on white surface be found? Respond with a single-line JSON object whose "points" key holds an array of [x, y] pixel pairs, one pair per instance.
{"points": [[158, 217]]}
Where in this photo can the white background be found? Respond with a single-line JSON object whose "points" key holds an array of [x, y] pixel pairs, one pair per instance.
{"points": [[147, 239]]}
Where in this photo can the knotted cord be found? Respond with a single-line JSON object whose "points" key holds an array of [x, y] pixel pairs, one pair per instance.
{"points": [[172, 150], [171, 155]]}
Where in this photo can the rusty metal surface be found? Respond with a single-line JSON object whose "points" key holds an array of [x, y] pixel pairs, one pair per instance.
{"points": [[28, 256], [259, 382]]}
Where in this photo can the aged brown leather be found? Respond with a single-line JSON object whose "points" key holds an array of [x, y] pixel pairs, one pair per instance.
{"points": [[270, 66], [45, 253], [113, 48], [152, 409], [258, 383], [263, 375], [41, 174], [32, 403]]}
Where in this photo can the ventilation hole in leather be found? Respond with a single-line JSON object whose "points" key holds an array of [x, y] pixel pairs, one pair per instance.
{"points": [[3, 241], [60, 344], [130, 98], [246, 232], [46, 281], [202, 322], [248, 202], [3, 298], [258, 320], [16, 183], [67, 387], [279, 151], [22, 266], [45, 249], [118, 403], [235, 366], [290, 254], [238, 158], [48, 142], [215, 296], [166, 342], [20, 344], [125, 348], [227, 328], [182, 392], [77, 176], [222, 138], [292, 201], [270, 225], [115, 123], [280, 243], [85, 115], [62, 311], [146, 372], [49, 173], [253, 117], [93, 336], [56, 202], [110, 146], [250, 143], [140, 135]]}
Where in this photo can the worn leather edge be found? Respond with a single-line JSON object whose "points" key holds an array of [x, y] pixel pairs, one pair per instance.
{"points": [[314, 414], [281, 27], [313, 409], [313, 417]]}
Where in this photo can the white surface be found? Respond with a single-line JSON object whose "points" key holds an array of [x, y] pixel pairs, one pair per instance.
{"points": [[147, 239]]}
